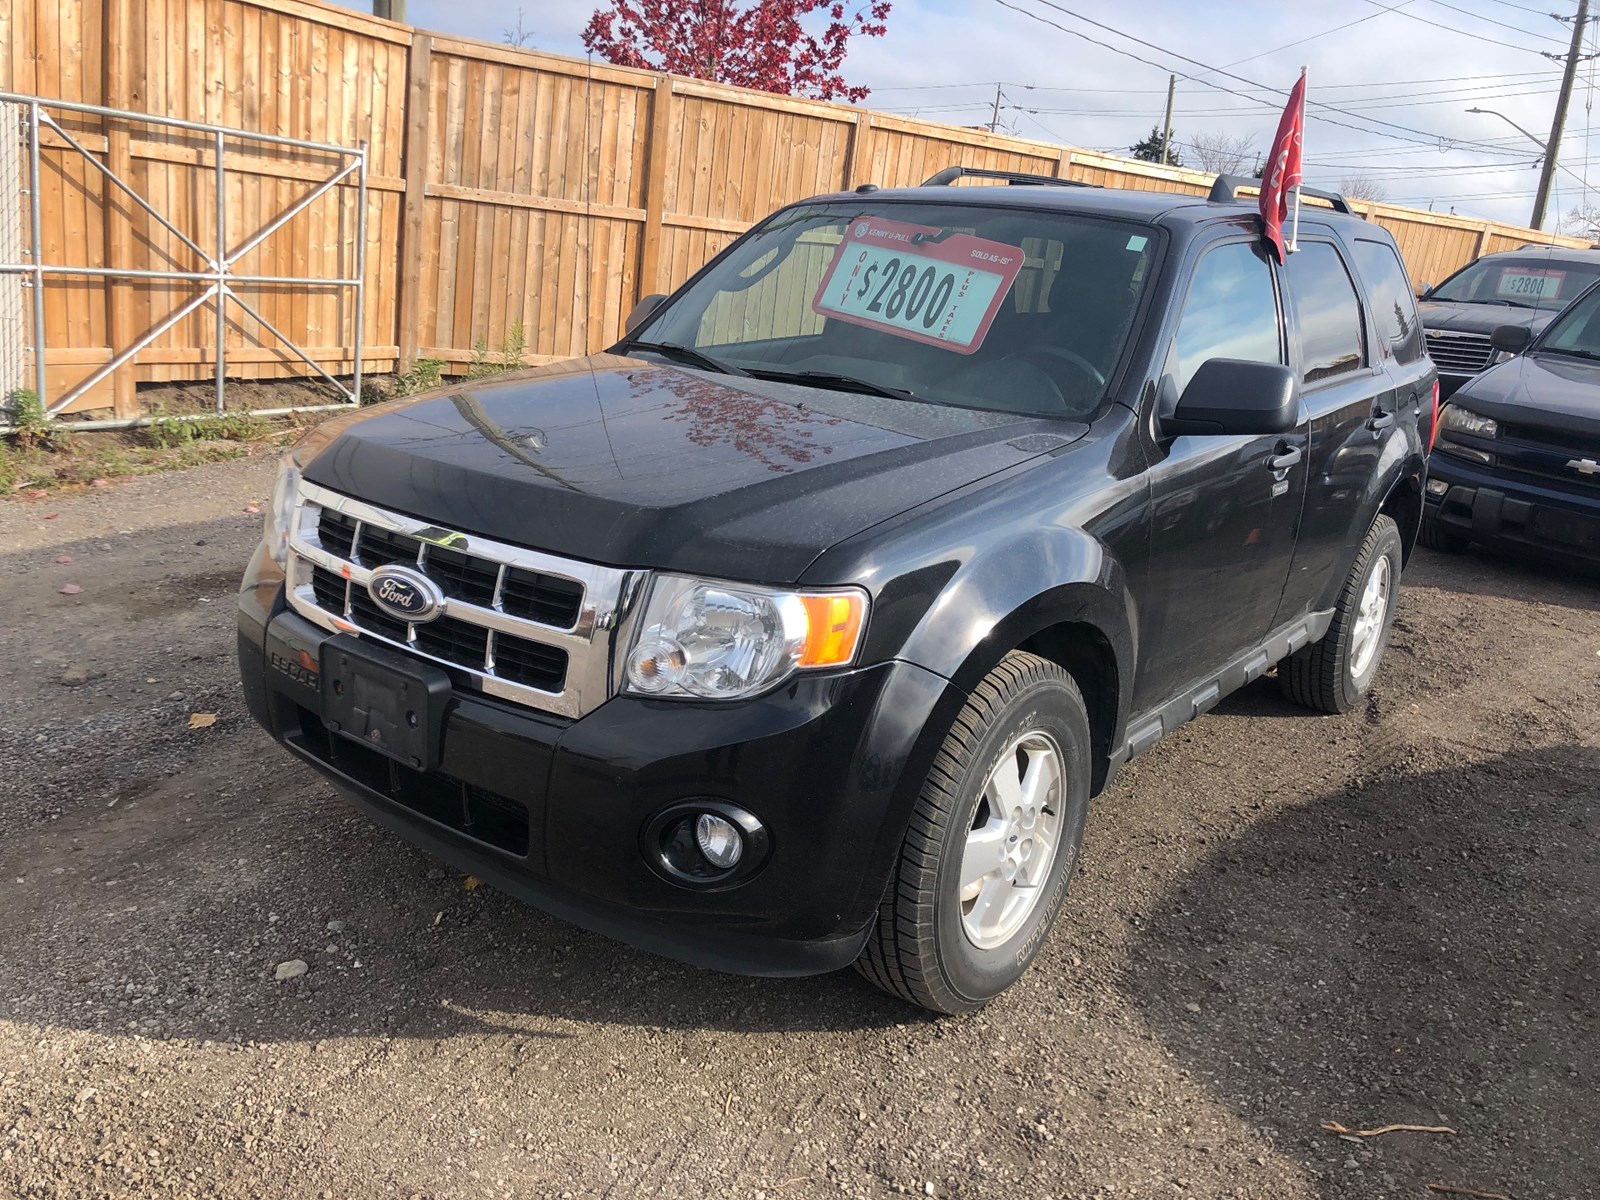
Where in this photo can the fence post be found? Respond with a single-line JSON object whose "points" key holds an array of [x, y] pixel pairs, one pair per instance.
{"points": [[655, 186], [119, 293], [1483, 241], [414, 231], [859, 128]]}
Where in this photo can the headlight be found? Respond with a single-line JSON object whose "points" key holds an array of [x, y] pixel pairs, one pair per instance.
{"points": [[280, 511], [1461, 420], [723, 641]]}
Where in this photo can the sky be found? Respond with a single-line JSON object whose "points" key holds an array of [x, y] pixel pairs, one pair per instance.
{"points": [[1389, 80]]}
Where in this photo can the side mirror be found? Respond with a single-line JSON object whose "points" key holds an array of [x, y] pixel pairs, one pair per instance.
{"points": [[642, 310], [1230, 395], [1513, 339]]}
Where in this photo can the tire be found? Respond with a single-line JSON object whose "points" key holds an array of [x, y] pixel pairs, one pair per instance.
{"points": [[1334, 673], [1436, 537], [953, 955]]}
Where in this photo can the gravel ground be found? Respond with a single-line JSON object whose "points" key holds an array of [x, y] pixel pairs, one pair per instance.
{"points": [[1281, 920]]}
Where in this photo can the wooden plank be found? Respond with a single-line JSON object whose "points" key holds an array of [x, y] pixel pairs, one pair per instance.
{"points": [[276, 169], [339, 17], [475, 195], [711, 224], [655, 175], [419, 107]]}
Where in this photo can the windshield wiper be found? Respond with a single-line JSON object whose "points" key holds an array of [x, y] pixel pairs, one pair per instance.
{"points": [[688, 354], [1571, 353], [836, 381]]}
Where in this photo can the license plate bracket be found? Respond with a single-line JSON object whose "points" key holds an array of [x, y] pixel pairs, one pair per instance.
{"points": [[1568, 528], [387, 701]]}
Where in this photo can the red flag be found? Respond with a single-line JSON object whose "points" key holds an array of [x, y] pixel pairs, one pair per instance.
{"points": [[1283, 167]]}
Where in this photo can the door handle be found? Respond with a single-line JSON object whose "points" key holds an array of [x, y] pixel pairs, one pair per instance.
{"points": [[1379, 421], [1284, 460]]}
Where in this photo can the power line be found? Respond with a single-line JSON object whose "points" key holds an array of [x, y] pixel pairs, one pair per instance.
{"points": [[1463, 32], [1480, 17], [1313, 37], [1505, 77], [1422, 136]]}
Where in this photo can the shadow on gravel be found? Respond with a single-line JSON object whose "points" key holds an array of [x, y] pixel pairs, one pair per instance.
{"points": [[1423, 951], [167, 917], [1508, 573]]}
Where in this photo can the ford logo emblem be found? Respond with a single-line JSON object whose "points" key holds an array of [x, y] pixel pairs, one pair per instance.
{"points": [[405, 594]]}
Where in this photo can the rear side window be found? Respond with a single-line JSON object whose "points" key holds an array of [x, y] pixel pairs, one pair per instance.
{"points": [[1393, 306], [1332, 337], [1231, 312]]}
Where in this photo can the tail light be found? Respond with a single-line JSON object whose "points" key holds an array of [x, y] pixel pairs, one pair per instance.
{"points": [[1433, 429]]}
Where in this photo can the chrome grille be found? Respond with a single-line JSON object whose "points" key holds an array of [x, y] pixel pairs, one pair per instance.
{"points": [[516, 623], [1459, 353]]}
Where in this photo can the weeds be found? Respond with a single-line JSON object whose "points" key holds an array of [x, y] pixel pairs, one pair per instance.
{"points": [[24, 412], [167, 433], [513, 346], [425, 375]]}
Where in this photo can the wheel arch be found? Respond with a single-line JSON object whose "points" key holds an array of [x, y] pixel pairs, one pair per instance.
{"points": [[1404, 505], [1082, 628]]}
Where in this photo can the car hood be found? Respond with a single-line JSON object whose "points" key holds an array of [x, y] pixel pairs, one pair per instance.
{"points": [[1479, 318], [1541, 391], [631, 463]]}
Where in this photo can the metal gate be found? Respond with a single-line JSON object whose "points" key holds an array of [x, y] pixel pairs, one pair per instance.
{"points": [[25, 269]]}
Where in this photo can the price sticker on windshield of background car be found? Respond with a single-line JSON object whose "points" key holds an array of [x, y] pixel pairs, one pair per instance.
{"points": [[1529, 283], [918, 282]]}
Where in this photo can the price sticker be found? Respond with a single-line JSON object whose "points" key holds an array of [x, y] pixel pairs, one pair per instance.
{"points": [[918, 282], [1529, 283]]}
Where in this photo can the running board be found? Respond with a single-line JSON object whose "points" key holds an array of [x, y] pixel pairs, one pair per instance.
{"points": [[1146, 730]]}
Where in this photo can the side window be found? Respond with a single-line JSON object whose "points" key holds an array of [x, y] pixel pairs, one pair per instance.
{"points": [[1231, 311], [1393, 305], [1328, 312]]}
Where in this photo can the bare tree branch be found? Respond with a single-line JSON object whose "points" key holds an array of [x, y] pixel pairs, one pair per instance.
{"points": [[1221, 153], [521, 37], [1362, 187]]}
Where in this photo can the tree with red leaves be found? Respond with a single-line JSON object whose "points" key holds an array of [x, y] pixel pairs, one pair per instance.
{"points": [[765, 45]]}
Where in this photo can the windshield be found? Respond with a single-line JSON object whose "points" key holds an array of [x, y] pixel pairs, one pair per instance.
{"points": [[979, 307], [1533, 282], [1576, 331]]}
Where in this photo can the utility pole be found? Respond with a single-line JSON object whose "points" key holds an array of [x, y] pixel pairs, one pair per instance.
{"points": [[390, 10], [1166, 129], [1548, 174], [994, 121]]}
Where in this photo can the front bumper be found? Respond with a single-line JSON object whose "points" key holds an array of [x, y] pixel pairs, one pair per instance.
{"points": [[1486, 505], [552, 810]]}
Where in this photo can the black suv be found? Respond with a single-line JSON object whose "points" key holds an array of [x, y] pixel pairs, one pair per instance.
{"points": [[799, 629], [1517, 462], [1526, 287]]}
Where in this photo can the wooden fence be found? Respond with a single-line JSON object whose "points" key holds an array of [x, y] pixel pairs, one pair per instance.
{"points": [[507, 189]]}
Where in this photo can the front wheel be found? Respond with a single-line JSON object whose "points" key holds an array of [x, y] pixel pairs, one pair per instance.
{"points": [[991, 845], [1333, 674], [1435, 536]]}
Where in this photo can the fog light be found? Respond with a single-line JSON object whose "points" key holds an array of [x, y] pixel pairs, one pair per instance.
{"points": [[1437, 487], [719, 841]]}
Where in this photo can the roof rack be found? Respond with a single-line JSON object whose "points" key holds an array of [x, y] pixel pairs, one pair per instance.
{"points": [[1015, 178], [1224, 189]]}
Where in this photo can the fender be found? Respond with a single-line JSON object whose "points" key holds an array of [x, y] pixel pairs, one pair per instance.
{"points": [[1399, 462], [992, 603], [960, 582]]}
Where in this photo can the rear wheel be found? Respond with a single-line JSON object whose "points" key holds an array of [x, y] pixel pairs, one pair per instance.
{"points": [[1333, 674], [991, 845]]}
